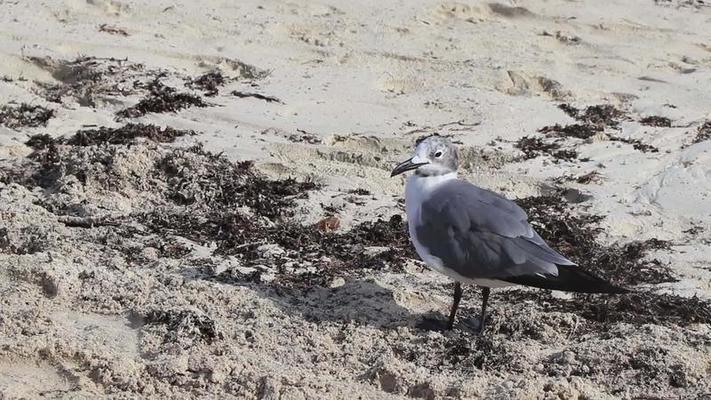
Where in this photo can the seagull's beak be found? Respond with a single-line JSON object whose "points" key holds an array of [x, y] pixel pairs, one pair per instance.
{"points": [[408, 165]]}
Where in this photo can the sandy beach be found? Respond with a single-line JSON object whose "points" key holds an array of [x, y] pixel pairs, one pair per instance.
{"points": [[196, 201]]}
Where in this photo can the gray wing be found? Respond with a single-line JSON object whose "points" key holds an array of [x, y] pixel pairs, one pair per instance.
{"points": [[481, 234]]}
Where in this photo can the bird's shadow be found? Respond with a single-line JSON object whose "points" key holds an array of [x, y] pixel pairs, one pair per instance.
{"points": [[357, 300]]}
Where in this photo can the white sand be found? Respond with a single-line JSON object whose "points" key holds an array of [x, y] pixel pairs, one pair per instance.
{"points": [[367, 78]]}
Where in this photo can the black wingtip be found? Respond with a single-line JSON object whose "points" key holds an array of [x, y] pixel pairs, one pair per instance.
{"points": [[571, 278]]}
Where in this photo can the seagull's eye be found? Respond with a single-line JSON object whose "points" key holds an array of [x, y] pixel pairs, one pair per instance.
{"points": [[438, 154]]}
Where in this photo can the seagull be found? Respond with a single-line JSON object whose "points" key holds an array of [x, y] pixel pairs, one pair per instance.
{"points": [[479, 237]]}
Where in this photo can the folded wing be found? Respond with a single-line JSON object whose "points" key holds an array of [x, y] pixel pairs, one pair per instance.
{"points": [[480, 234]]}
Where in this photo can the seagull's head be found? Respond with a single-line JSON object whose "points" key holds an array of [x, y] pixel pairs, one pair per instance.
{"points": [[434, 155]]}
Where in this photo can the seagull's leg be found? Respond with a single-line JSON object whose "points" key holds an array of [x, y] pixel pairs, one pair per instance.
{"points": [[485, 294], [455, 304]]}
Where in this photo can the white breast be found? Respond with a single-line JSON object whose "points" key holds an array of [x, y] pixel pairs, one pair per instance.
{"points": [[417, 190]]}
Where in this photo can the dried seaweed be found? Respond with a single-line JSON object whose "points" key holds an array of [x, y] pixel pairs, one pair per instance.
{"points": [[88, 78], [703, 133], [41, 141], [321, 255], [579, 131], [210, 83], [304, 137], [636, 308], [113, 30], [600, 116], [198, 176], [594, 120], [125, 135], [533, 147], [161, 99], [584, 179], [183, 324], [574, 236], [24, 115], [655, 120], [359, 192], [636, 144], [268, 99]]}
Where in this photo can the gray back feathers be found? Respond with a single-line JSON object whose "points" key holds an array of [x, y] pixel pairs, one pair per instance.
{"points": [[481, 234]]}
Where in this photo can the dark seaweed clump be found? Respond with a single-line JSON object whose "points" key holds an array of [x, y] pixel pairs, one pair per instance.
{"points": [[198, 177], [574, 236], [79, 155], [212, 190], [304, 137], [41, 141], [636, 144], [187, 324], [590, 177], [703, 133], [592, 120], [161, 99], [636, 308], [210, 83], [87, 79], [656, 120], [268, 99], [580, 131], [123, 135], [624, 265], [596, 119], [24, 115], [601, 115], [533, 147], [217, 201], [330, 254]]}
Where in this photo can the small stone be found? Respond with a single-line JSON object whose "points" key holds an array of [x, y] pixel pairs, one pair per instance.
{"points": [[150, 253], [270, 250], [337, 282]]}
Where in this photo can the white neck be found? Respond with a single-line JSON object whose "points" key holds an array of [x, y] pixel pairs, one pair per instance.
{"points": [[419, 189]]}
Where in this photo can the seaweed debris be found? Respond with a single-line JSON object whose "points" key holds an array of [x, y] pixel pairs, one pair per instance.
{"points": [[580, 131], [24, 115], [112, 30], [41, 141], [88, 78], [703, 133], [655, 120], [590, 177], [197, 176], [184, 325], [214, 190], [210, 83], [359, 192], [304, 137], [125, 135], [268, 99], [574, 236], [594, 120], [160, 99], [533, 147], [307, 256], [600, 116], [636, 308]]}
